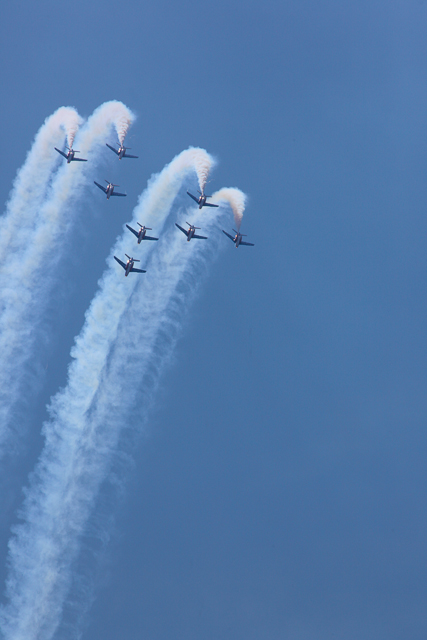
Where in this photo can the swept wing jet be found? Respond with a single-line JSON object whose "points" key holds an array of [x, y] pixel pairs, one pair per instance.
{"points": [[201, 200], [237, 239], [142, 233], [121, 151], [128, 267], [70, 155], [190, 233], [110, 189]]}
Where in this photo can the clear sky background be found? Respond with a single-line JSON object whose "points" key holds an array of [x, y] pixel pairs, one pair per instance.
{"points": [[279, 490]]}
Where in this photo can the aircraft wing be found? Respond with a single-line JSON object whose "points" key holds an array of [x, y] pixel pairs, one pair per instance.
{"points": [[78, 160], [200, 237], [138, 270], [208, 204], [101, 187], [183, 230], [227, 234], [135, 233], [149, 238], [248, 244], [127, 155], [62, 153], [113, 149], [194, 197], [117, 194], [122, 264]]}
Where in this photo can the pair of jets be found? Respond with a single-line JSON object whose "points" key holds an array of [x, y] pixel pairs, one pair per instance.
{"points": [[140, 235], [109, 190], [70, 155], [191, 233]]}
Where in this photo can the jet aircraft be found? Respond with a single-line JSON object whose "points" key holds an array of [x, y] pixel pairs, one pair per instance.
{"points": [[110, 189], [128, 267], [70, 155], [237, 239], [201, 200], [121, 151], [142, 233], [190, 233]]}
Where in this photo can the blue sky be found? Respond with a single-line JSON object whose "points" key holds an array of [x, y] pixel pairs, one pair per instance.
{"points": [[279, 486]]}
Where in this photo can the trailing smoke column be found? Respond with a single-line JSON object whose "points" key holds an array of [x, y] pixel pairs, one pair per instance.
{"points": [[112, 113], [237, 201], [122, 123], [202, 166], [31, 183], [71, 124]]}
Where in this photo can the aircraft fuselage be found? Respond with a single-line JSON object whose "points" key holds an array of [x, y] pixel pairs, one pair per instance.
{"points": [[129, 265], [122, 151], [190, 233]]}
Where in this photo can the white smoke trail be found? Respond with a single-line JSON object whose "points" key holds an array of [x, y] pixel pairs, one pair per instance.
{"points": [[31, 183], [202, 169], [122, 119], [71, 131], [28, 273], [236, 199], [112, 113], [82, 438]]}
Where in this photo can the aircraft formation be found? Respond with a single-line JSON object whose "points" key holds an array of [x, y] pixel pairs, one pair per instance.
{"points": [[141, 234]]}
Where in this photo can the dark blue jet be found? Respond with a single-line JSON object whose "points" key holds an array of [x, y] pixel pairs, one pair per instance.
{"points": [[110, 189], [128, 267], [70, 155], [191, 232], [201, 200], [121, 151], [237, 239], [142, 233]]}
